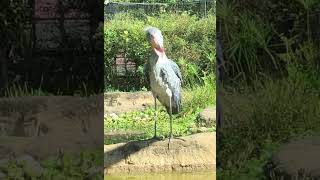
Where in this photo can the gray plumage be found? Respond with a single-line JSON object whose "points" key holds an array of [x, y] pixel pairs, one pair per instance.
{"points": [[169, 77], [174, 87], [174, 66]]}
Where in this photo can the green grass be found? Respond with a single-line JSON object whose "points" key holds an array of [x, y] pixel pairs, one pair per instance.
{"points": [[259, 121], [189, 41], [64, 166], [194, 100], [24, 90]]}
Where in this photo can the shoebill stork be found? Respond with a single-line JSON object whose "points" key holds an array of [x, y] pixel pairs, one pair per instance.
{"points": [[164, 77]]}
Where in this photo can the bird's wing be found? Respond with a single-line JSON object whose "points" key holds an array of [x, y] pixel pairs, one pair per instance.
{"points": [[146, 72], [176, 69], [169, 78]]}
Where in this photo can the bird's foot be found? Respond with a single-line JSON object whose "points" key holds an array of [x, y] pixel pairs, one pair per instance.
{"points": [[156, 138], [172, 137]]}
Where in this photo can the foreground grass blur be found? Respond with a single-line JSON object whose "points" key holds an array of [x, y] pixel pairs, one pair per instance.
{"points": [[85, 165], [259, 121]]}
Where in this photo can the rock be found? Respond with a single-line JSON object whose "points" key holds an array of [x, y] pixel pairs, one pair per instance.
{"points": [[207, 117], [202, 129], [114, 115], [193, 130], [3, 175], [299, 157], [30, 165]]}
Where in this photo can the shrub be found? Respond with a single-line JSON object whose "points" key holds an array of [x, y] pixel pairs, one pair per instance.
{"points": [[189, 40]]}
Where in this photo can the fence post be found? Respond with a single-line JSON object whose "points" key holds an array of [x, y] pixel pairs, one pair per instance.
{"points": [[203, 7], [4, 68]]}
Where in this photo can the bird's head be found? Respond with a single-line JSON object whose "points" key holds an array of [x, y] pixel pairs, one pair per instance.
{"points": [[155, 39]]}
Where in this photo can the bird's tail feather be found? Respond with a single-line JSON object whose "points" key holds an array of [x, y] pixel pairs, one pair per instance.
{"points": [[176, 109]]}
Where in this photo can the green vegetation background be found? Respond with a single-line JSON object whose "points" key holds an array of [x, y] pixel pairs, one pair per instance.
{"points": [[271, 94], [190, 41]]}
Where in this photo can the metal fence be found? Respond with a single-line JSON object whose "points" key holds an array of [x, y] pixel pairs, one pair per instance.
{"points": [[199, 7], [61, 51]]}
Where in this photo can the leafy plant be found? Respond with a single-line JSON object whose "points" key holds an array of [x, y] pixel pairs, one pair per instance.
{"points": [[188, 40], [308, 5], [13, 34]]}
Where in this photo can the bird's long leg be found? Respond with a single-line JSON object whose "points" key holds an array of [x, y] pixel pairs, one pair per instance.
{"points": [[170, 114], [155, 118]]}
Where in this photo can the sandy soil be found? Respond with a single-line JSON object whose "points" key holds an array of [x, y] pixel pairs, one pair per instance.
{"points": [[42, 126], [190, 153], [120, 102]]}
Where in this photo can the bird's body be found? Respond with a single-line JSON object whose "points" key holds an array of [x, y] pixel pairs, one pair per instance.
{"points": [[164, 77], [165, 82]]}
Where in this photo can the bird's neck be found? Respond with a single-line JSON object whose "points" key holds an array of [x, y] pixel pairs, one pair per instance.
{"points": [[159, 52]]}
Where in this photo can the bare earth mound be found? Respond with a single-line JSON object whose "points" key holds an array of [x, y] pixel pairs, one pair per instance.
{"points": [[43, 126], [298, 159], [189, 153], [120, 102]]}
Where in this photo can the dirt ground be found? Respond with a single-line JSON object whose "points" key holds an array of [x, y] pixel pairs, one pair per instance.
{"points": [[43, 126], [189, 153], [120, 102], [71, 124], [64, 123], [297, 159]]}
